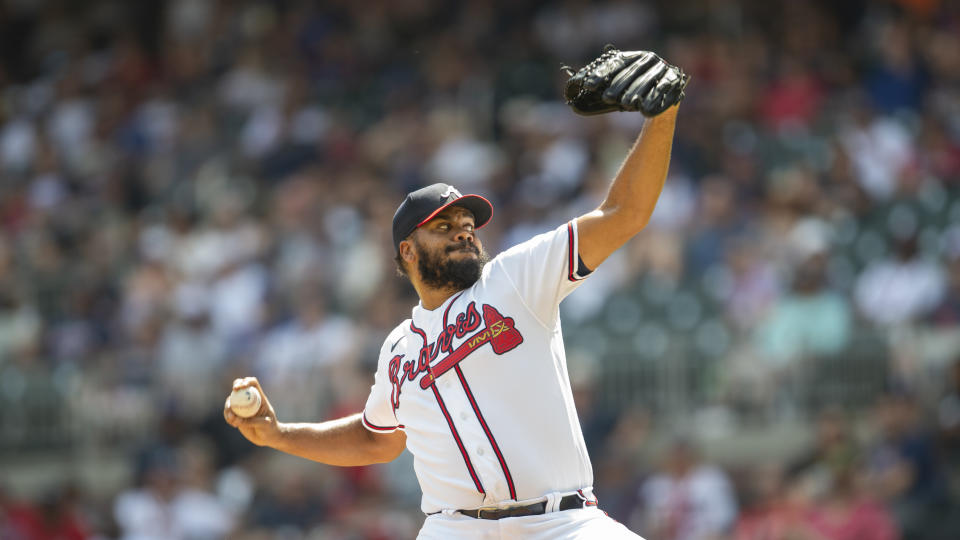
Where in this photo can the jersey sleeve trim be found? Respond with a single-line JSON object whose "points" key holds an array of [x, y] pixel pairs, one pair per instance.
{"points": [[576, 270], [379, 429]]}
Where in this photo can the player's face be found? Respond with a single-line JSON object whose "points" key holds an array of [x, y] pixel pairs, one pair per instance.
{"points": [[449, 255]]}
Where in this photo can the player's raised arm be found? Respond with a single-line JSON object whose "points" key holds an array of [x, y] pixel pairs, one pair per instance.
{"points": [[344, 442], [628, 81]]}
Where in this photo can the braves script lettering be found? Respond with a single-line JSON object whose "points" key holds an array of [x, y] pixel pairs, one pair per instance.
{"points": [[498, 330]]}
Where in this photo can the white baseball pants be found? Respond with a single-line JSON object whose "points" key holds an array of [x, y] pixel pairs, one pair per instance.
{"points": [[576, 524]]}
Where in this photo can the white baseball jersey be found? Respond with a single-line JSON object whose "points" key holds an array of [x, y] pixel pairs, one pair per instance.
{"points": [[480, 384]]}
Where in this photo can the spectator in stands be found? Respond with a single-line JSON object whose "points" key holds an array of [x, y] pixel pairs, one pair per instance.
{"points": [[57, 516], [197, 510], [947, 313], [769, 512], [145, 512], [948, 423], [20, 325], [190, 358], [622, 467], [843, 512], [755, 284], [302, 356], [948, 417], [811, 320], [717, 222], [291, 502], [897, 80], [687, 499], [808, 323], [903, 468], [812, 471], [900, 289]]}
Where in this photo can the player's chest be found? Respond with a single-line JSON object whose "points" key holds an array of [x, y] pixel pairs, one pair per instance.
{"points": [[469, 335]]}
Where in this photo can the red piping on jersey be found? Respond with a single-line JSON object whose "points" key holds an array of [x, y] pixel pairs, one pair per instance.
{"points": [[423, 363], [570, 268], [445, 329], [483, 424], [446, 415], [423, 335], [379, 428], [456, 437], [447, 311]]}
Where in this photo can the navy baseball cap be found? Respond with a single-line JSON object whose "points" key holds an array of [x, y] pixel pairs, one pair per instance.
{"points": [[422, 205]]}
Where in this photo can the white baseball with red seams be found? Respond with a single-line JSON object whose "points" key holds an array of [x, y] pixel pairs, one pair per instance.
{"points": [[480, 386], [245, 402]]}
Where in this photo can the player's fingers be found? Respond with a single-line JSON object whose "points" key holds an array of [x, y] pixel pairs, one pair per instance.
{"points": [[262, 418], [257, 421], [228, 414], [246, 382], [254, 382]]}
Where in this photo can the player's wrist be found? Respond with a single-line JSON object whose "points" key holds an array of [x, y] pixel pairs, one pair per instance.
{"points": [[273, 436], [669, 115]]}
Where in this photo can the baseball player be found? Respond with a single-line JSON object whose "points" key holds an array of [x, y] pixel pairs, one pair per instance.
{"points": [[475, 382]]}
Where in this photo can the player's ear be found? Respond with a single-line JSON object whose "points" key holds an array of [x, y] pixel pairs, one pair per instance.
{"points": [[407, 253]]}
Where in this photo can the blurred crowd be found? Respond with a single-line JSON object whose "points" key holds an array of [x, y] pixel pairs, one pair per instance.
{"points": [[195, 190]]}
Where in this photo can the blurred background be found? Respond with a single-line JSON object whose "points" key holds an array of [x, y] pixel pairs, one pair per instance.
{"points": [[195, 190]]}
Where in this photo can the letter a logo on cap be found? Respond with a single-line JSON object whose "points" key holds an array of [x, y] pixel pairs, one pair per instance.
{"points": [[453, 190]]}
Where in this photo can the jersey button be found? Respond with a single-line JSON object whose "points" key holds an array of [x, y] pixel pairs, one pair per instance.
{"points": [[480, 451], [463, 415]]}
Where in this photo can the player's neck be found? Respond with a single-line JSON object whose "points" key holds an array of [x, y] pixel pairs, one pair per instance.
{"points": [[431, 298]]}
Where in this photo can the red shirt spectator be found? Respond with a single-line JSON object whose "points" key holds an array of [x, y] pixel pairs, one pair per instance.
{"points": [[853, 520]]}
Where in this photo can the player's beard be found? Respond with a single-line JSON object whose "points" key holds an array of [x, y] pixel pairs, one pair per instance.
{"points": [[440, 271]]}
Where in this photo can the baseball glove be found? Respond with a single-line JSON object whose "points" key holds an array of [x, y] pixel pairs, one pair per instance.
{"points": [[625, 81]]}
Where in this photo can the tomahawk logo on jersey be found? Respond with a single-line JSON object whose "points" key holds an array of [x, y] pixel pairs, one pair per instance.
{"points": [[498, 331], [436, 370]]}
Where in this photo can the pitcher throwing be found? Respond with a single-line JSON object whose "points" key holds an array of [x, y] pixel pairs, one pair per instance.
{"points": [[475, 382]]}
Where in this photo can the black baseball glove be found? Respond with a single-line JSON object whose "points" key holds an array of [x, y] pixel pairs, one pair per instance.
{"points": [[625, 81]]}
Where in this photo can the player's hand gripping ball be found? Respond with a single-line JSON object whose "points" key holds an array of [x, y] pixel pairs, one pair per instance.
{"points": [[245, 402], [625, 81]]}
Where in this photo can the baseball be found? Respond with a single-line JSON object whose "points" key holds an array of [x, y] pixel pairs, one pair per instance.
{"points": [[245, 402]]}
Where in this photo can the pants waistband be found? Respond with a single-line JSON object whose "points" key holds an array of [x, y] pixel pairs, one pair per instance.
{"points": [[552, 503]]}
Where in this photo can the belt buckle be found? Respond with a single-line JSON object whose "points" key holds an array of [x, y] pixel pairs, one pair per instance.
{"points": [[487, 509]]}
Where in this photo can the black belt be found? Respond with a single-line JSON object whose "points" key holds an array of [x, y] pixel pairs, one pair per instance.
{"points": [[566, 503]]}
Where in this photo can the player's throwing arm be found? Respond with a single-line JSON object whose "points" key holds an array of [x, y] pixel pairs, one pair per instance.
{"points": [[474, 382], [344, 442]]}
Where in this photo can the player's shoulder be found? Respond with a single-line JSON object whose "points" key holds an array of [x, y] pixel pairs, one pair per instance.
{"points": [[529, 246]]}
